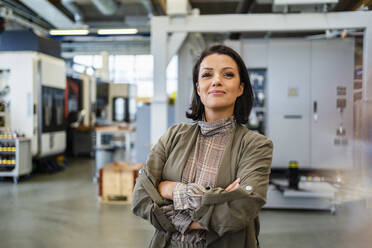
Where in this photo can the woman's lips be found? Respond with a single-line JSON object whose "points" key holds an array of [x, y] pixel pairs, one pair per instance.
{"points": [[216, 92]]}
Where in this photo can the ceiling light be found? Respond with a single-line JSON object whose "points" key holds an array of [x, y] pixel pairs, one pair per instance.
{"points": [[117, 31], [68, 31], [300, 2]]}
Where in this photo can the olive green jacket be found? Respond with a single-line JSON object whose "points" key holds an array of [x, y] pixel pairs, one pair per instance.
{"points": [[231, 218]]}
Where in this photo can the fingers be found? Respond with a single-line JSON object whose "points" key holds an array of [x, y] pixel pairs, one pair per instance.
{"points": [[195, 226], [234, 185]]}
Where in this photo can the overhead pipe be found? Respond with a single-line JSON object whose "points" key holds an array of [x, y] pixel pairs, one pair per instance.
{"points": [[106, 7], [70, 6], [147, 4], [243, 8]]}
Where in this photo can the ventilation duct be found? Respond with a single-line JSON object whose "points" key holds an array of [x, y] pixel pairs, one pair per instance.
{"points": [[106, 7], [69, 4]]}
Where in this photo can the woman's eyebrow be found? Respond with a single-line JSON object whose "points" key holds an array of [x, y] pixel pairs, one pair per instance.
{"points": [[209, 68]]}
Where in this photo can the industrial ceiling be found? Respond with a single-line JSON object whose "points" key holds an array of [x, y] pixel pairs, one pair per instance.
{"points": [[44, 15]]}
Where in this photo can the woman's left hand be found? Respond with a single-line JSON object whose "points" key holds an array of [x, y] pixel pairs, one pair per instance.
{"points": [[165, 189]]}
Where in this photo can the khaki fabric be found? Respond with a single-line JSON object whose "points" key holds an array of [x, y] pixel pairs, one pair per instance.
{"points": [[231, 218]]}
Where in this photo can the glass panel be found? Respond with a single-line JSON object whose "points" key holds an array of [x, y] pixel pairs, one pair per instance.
{"points": [[119, 109], [53, 101], [47, 106], [144, 67], [84, 60], [59, 106]]}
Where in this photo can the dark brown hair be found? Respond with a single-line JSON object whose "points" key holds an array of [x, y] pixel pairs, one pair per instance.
{"points": [[243, 104]]}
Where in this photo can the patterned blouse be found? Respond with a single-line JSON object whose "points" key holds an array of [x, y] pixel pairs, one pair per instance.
{"points": [[199, 174]]}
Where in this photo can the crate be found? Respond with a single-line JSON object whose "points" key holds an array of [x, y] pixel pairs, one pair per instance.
{"points": [[116, 182]]}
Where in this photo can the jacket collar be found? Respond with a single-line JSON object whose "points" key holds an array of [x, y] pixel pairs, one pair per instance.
{"points": [[224, 174]]}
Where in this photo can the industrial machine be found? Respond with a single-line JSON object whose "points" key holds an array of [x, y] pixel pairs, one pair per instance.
{"points": [[310, 118], [257, 117], [304, 99], [310, 103], [33, 85], [80, 107], [115, 103], [80, 98]]}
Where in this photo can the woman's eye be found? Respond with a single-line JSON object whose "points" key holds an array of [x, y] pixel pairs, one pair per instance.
{"points": [[204, 75], [229, 74]]}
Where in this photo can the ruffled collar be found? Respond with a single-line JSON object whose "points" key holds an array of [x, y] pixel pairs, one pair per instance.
{"points": [[217, 127]]}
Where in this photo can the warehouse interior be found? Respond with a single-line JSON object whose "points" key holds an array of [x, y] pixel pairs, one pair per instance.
{"points": [[87, 87]]}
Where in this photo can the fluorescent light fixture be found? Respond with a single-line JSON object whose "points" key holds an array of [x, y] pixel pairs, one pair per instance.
{"points": [[68, 31], [303, 2], [117, 31]]}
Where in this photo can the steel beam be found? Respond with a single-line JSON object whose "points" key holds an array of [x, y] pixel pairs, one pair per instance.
{"points": [[10, 15], [175, 42], [49, 12], [159, 103], [271, 22]]}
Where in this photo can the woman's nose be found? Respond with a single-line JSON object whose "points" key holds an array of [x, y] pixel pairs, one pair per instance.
{"points": [[216, 80]]}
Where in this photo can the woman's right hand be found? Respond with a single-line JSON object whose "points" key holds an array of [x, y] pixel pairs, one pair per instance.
{"points": [[233, 186], [196, 226]]}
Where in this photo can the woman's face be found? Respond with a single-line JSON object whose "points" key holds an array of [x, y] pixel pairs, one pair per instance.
{"points": [[219, 83]]}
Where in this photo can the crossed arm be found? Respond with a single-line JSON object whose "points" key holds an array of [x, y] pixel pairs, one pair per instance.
{"points": [[221, 210], [166, 189]]}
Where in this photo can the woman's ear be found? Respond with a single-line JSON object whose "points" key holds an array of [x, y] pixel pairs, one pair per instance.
{"points": [[197, 88]]}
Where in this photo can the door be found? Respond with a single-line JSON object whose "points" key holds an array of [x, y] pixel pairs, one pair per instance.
{"points": [[332, 63], [288, 101]]}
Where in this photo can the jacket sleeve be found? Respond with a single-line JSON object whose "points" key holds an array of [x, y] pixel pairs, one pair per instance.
{"points": [[187, 196], [224, 212], [146, 200]]}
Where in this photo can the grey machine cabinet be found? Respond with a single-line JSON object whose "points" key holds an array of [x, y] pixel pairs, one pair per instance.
{"points": [[15, 158], [306, 78]]}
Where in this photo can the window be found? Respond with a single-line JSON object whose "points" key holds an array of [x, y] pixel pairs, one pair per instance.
{"points": [[84, 63], [138, 70], [131, 69]]}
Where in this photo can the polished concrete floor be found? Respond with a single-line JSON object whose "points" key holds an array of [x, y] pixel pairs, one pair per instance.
{"points": [[62, 210]]}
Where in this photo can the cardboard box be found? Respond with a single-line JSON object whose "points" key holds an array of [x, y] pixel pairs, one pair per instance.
{"points": [[116, 182]]}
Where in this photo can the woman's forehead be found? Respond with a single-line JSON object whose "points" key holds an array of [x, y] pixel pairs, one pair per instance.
{"points": [[218, 61]]}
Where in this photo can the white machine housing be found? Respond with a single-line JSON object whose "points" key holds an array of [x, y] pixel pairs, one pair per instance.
{"points": [[89, 99], [120, 90], [300, 74], [28, 72]]}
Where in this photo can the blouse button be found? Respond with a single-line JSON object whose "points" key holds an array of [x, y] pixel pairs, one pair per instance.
{"points": [[248, 187], [208, 187]]}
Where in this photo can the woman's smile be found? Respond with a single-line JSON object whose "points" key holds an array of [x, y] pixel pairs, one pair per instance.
{"points": [[216, 92]]}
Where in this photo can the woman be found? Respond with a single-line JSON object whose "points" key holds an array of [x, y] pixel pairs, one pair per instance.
{"points": [[204, 184]]}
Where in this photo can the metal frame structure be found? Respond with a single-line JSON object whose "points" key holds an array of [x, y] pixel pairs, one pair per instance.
{"points": [[168, 34]]}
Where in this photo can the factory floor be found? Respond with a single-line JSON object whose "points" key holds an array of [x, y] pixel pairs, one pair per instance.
{"points": [[62, 210]]}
